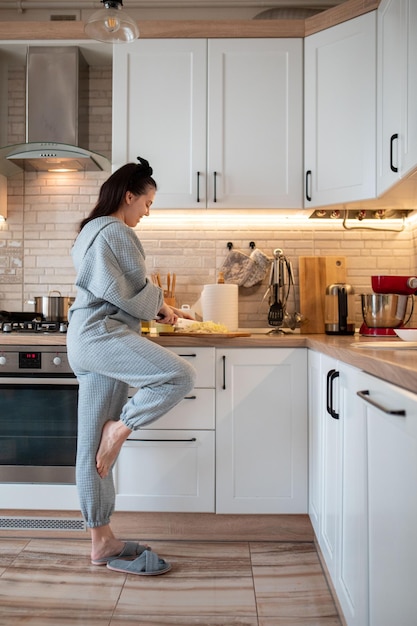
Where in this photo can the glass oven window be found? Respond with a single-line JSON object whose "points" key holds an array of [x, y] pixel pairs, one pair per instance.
{"points": [[38, 424]]}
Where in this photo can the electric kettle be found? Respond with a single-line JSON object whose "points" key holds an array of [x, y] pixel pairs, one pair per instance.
{"points": [[339, 309]]}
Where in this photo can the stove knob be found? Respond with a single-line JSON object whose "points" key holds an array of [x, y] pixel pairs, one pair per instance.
{"points": [[57, 360], [7, 327], [3, 360]]}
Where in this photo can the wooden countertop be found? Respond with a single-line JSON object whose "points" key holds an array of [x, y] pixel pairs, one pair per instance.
{"points": [[397, 366]]}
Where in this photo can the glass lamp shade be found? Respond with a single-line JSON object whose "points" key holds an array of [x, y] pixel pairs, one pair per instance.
{"points": [[111, 25]]}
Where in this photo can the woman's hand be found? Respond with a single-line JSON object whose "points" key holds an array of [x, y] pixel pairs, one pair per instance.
{"points": [[183, 313], [167, 315]]}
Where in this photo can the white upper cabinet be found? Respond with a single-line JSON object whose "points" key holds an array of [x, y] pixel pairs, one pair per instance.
{"points": [[397, 91], [159, 112], [340, 113], [254, 123], [220, 121]]}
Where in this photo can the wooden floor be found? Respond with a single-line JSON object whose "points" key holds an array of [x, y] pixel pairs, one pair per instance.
{"points": [[248, 570], [50, 582]]}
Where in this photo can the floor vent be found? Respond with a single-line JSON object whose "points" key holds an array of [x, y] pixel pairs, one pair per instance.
{"points": [[42, 523]]}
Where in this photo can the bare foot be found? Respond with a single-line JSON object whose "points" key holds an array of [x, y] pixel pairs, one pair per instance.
{"points": [[110, 548], [113, 435]]}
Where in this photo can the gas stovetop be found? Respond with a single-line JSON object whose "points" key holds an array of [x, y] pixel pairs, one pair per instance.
{"points": [[29, 323]]}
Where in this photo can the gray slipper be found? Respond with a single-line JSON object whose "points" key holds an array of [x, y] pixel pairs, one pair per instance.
{"points": [[131, 549], [147, 564]]}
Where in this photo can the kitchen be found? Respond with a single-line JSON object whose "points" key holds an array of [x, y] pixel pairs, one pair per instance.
{"points": [[37, 262]]}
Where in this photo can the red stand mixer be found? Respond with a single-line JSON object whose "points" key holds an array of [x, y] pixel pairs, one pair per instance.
{"points": [[386, 308]]}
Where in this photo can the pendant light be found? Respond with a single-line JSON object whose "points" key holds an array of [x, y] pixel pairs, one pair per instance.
{"points": [[111, 24]]}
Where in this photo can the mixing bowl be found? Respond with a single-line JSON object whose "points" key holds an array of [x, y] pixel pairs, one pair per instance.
{"points": [[381, 310]]}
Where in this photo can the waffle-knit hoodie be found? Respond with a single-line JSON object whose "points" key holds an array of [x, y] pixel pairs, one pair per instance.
{"points": [[111, 275]]}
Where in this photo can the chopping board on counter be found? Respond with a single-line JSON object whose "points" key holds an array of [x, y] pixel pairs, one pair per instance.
{"points": [[315, 274]]}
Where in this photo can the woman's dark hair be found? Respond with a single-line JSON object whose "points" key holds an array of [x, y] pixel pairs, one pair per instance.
{"points": [[133, 177]]}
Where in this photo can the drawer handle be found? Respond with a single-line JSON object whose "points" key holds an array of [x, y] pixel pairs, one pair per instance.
{"points": [[190, 398], [365, 396], [167, 440], [187, 355]]}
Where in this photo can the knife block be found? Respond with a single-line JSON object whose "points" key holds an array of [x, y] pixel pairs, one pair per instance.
{"points": [[315, 273]]}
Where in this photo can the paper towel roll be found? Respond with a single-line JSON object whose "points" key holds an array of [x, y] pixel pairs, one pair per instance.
{"points": [[220, 304]]}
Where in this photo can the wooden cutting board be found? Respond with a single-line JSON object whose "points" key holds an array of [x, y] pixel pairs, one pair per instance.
{"points": [[315, 274], [195, 334]]}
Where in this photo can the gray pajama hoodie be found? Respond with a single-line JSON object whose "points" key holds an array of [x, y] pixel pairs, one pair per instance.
{"points": [[108, 353]]}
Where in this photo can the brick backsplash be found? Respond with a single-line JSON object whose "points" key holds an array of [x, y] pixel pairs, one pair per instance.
{"points": [[44, 210], [36, 240]]}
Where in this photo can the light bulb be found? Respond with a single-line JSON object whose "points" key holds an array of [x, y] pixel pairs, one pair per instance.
{"points": [[112, 24]]}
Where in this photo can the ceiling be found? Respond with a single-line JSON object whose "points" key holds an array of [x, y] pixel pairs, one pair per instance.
{"points": [[40, 10]]}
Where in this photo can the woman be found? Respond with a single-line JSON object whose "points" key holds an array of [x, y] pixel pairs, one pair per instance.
{"points": [[108, 354]]}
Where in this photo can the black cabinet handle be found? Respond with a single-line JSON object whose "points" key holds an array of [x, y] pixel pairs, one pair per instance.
{"points": [[198, 186], [224, 372], [308, 179], [391, 145], [190, 398], [185, 356], [331, 375], [167, 440], [215, 186], [365, 396]]}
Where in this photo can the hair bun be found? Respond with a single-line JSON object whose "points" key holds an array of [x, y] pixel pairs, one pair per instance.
{"points": [[145, 167]]}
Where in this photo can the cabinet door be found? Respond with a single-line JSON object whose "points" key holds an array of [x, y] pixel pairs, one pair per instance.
{"points": [[340, 113], [397, 91], [168, 470], [410, 117], [392, 496], [316, 411], [159, 112], [255, 123], [391, 84], [261, 431], [338, 460], [351, 575], [331, 477]]}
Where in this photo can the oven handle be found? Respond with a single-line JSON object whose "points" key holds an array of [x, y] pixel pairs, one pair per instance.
{"points": [[37, 380]]}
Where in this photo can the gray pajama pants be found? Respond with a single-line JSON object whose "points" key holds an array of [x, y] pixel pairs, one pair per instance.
{"points": [[107, 360]]}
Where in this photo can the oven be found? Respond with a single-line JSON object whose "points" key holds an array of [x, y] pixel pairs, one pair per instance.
{"points": [[38, 415]]}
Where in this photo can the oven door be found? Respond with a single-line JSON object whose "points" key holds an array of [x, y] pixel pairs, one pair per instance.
{"points": [[38, 429]]}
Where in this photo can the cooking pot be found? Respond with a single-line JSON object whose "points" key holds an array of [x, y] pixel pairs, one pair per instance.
{"points": [[385, 310], [53, 308]]}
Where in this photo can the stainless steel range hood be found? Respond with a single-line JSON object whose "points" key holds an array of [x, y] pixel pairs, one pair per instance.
{"points": [[57, 124]]}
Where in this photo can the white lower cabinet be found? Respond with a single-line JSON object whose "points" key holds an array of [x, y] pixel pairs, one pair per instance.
{"points": [[261, 430], [337, 496], [362, 496], [167, 470], [391, 421], [169, 466], [237, 444]]}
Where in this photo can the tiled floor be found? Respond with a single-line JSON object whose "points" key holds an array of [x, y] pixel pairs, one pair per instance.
{"points": [[51, 583]]}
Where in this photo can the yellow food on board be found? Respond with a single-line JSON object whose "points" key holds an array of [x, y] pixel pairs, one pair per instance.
{"points": [[204, 327]]}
